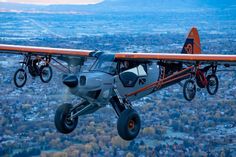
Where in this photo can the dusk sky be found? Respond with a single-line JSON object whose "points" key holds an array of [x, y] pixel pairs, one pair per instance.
{"points": [[46, 2]]}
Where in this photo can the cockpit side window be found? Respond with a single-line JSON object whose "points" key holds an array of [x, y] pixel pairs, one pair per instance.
{"points": [[129, 72], [139, 69], [142, 70]]}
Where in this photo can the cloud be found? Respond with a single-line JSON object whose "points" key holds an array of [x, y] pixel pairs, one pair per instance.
{"points": [[48, 2]]}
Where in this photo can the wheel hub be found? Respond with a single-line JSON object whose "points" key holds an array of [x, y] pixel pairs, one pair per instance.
{"points": [[212, 83], [45, 72], [21, 77], [69, 121], [131, 124]]}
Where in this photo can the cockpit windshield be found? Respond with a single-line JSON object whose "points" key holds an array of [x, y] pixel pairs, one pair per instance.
{"points": [[105, 63]]}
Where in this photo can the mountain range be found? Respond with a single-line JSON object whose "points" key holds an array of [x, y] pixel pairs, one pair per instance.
{"points": [[122, 5]]}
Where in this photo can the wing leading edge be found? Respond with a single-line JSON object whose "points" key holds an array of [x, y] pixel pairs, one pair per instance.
{"points": [[44, 50], [177, 57]]}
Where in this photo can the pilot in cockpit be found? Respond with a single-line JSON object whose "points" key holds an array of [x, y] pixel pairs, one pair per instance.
{"points": [[125, 66]]}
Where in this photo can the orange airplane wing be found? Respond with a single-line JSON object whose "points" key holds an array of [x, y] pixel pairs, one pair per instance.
{"points": [[44, 50], [177, 57]]}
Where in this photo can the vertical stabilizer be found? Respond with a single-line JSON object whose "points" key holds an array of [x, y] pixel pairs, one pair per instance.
{"points": [[192, 44]]}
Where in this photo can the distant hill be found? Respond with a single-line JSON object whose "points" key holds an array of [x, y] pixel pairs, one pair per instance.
{"points": [[218, 3], [170, 4], [146, 5], [123, 5]]}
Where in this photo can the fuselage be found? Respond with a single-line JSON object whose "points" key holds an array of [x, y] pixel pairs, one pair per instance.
{"points": [[132, 79]]}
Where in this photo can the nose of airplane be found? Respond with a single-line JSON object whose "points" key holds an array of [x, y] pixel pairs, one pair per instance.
{"points": [[90, 80], [70, 80]]}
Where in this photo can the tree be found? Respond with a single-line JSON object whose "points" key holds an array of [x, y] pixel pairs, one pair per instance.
{"points": [[129, 154], [149, 131], [54, 143], [160, 130], [118, 142], [88, 148], [59, 154]]}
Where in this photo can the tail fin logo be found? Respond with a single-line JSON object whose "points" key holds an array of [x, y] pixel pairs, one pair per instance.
{"points": [[189, 49]]}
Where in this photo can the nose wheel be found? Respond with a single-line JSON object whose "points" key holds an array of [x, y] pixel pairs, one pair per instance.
{"points": [[128, 125], [63, 122]]}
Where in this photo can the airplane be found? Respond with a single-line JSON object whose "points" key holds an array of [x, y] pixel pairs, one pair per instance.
{"points": [[120, 78]]}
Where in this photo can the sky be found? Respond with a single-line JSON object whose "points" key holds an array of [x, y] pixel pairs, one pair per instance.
{"points": [[47, 2]]}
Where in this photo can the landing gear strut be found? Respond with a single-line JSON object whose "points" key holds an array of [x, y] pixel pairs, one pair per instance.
{"points": [[128, 123]]}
